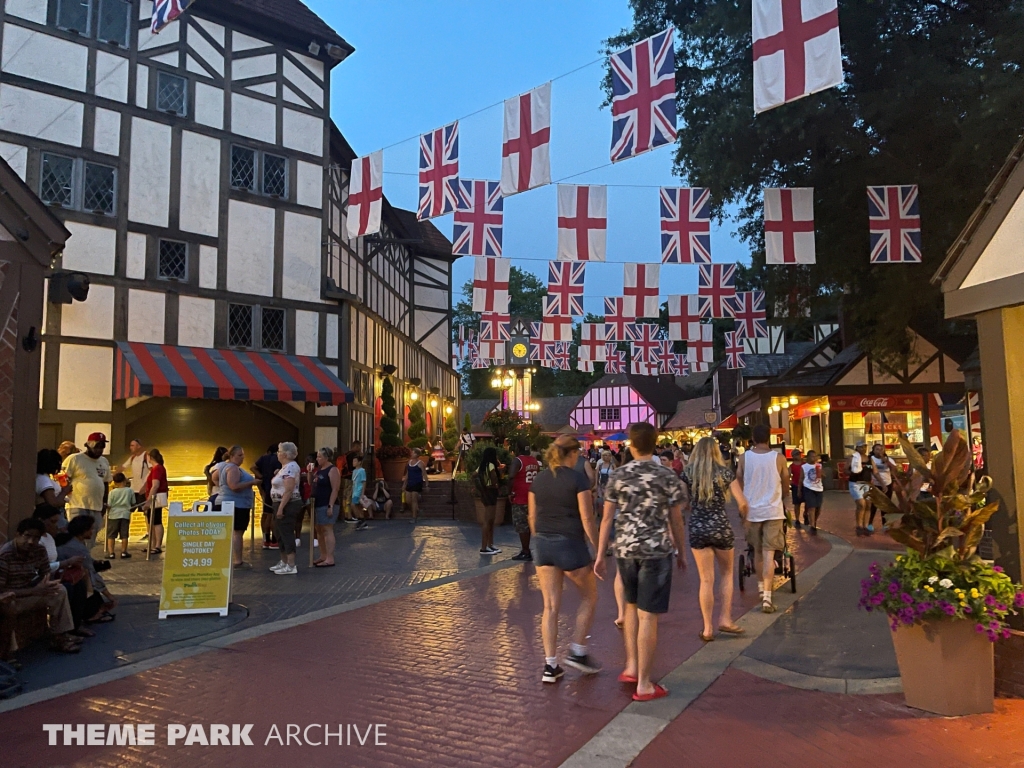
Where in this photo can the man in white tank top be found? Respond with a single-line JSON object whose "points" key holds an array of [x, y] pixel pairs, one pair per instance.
{"points": [[763, 473]]}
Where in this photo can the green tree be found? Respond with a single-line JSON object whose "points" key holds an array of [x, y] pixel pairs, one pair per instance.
{"points": [[450, 436], [467, 422], [931, 96], [417, 425], [390, 432], [502, 424]]}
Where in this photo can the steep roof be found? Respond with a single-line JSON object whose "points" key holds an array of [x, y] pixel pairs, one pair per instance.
{"points": [[554, 411], [661, 392], [286, 20], [432, 242], [690, 413], [477, 410], [28, 219], [758, 366]]}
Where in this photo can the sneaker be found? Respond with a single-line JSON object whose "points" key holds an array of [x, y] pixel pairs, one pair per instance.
{"points": [[485, 551], [270, 545], [125, 555], [278, 567], [362, 525], [298, 542], [767, 607], [316, 542], [288, 570], [494, 550], [351, 520], [584, 664], [871, 529], [525, 556], [799, 525], [109, 556], [551, 674], [243, 566]]}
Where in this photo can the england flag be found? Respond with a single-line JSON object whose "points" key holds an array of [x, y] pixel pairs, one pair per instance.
{"points": [[365, 195], [490, 285], [526, 141], [582, 222]]}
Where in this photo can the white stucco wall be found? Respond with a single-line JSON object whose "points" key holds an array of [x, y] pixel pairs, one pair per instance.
{"points": [[146, 316], [207, 266], [309, 184], [91, 319], [331, 333], [135, 266], [33, 10], [40, 115], [301, 82], [209, 106], [307, 333], [91, 248], [107, 136], [142, 86], [200, 175], [303, 132], [240, 42], [149, 184], [326, 437], [33, 54], [112, 76], [85, 428], [195, 322], [205, 52], [253, 118], [254, 66], [250, 249], [86, 378], [16, 157], [302, 237]]}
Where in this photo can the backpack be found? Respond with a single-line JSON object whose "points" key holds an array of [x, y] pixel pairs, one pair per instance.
{"points": [[482, 480]]}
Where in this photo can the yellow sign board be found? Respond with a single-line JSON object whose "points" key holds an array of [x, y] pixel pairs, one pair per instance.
{"points": [[197, 560]]}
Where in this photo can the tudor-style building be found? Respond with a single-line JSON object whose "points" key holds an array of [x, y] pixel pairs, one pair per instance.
{"points": [[617, 400], [205, 186]]}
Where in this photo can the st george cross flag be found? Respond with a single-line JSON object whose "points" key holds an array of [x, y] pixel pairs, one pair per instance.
{"points": [[565, 289], [717, 284], [593, 346], [789, 225], [684, 316], [582, 222], [751, 316], [365, 193], [796, 50], [478, 218], [166, 11], [614, 360], [526, 141], [495, 326], [616, 319], [490, 284], [638, 368], [439, 164], [895, 222], [640, 289], [556, 329], [734, 351], [643, 96], [493, 351], [701, 350], [685, 225]]}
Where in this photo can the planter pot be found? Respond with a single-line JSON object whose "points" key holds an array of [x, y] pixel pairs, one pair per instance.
{"points": [[946, 667], [394, 469]]}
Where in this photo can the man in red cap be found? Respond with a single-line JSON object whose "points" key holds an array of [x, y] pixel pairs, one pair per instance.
{"points": [[89, 476]]}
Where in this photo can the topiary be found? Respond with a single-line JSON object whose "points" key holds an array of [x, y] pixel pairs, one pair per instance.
{"points": [[467, 423], [417, 425], [390, 433], [450, 437]]}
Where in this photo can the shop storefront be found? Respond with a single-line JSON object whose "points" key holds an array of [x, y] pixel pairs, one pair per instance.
{"points": [[880, 419]]}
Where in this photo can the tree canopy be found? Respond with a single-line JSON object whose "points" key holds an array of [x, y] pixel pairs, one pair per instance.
{"points": [[931, 97]]}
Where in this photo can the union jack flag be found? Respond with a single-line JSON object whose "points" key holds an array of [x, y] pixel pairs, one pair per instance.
{"points": [[166, 11], [751, 316], [685, 225], [615, 361], [559, 356], [477, 361], [479, 215], [895, 220], [643, 96], [680, 365], [717, 283], [646, 343], [541, 350], [535, 341], [495, 327], [616, 319], [439, 165], [665, 357], [565, 289], [734, 351]]}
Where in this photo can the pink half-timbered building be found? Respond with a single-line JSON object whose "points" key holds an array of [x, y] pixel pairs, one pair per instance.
{"points": [[618, 400]]}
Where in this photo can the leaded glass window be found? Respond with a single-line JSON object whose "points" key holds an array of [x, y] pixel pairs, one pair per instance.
{"points": [[98, 189], [170, 93], [113, 21], [57, 181], [173, 260], [243, 168], [239, 325], [275, 176], [272, 328]]}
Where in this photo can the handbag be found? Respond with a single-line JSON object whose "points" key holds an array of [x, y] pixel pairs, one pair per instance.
{"points": [[72, 574]]}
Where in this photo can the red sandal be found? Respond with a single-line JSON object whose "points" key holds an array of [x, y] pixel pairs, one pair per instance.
{"points": [[657, 693], [624, 678]]}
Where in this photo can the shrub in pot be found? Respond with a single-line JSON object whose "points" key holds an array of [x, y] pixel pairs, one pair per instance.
{"points": [[392, 454], [946, 606]]}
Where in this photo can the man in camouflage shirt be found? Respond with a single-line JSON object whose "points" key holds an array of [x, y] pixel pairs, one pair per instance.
{"points": [[649, 500]]}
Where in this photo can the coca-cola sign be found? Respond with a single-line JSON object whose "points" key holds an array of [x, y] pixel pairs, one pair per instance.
{"points": [[876, 403]]}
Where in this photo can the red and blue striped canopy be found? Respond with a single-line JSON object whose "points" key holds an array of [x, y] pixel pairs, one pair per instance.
{"points": [[159, 370]]}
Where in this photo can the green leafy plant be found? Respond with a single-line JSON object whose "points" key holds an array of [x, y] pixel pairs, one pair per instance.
{"points": [[417, 425], [467, 423], [503, 423], [390, 433], [941, 575], [450, 436], [477, 451]]}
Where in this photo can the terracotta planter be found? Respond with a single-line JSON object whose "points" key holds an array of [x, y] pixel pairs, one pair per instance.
{"points": [[946, 667], [394, 469]]}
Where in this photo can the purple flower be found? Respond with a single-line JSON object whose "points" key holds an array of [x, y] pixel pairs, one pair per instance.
{"points": [[894, 587], [1001, 607], [949, 609], [1018, 601], [992, 635], [989, 600], [993, 625], [906, 598], [1006, 634], [967, 609], [925, 606], [997, 568], [878, 599], [979, 627]]}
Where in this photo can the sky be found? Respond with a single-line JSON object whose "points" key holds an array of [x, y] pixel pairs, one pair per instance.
{"points": [[419, 65]]}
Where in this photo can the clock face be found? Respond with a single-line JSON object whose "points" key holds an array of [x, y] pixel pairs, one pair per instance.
{"points": [[519, 350]]}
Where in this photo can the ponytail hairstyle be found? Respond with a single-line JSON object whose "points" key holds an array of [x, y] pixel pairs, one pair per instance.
{"points": [[559, 451], [704, 468]]}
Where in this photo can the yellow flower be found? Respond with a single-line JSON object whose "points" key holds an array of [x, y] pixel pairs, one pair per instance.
{"points": [[930, 589], [975, 593]]}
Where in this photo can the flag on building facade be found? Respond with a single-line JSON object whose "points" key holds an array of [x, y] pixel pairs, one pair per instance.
{"points": [[593, 343], [702, 350], [734, 351], [565, 289], [716, 284], [616, 319], [685, 225], [582, 222], [479, 218], [439, 165], [684, 315], [365, 195], [164, 12], [748, 308], [895, 221], [796, 50], [789, 225], [643, 96], [490, 284], [640, 289], [526, 141]]}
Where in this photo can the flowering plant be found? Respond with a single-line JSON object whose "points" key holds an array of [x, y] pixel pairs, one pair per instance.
{"points": [[941, 574]]}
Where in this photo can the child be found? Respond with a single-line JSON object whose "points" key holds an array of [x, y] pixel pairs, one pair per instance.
{"points": [[382, 498], [119, 517], [358, 485], [796, 484], [813, 491]]}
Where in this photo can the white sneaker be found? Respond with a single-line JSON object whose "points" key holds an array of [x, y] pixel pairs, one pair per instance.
{"points": [[288, 570], [298, 542], [279, 566], [316, 542]]}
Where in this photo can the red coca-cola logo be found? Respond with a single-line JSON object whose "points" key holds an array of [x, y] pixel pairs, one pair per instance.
{"points": [[875, 403]]}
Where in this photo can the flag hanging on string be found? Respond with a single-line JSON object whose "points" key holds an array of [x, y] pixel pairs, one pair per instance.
{"points": [[685, 225], [536, 353], [582, 222], [556, 328], [164, 12], [643, 96], [490, 284], [616, 318], [638, 368], [593, 344], [716, 284], [680, 365], [645, 344], [559, 356], [640, 290], [539, 351], [614, 359], [495, 326], [565, 289], [439, 165], [895, 221], [479, 218], [365, 195], [751, 316], [734, 351], [526, 141], [493, 350], [789, 225], [684, 314], [665, 357], [796, 50], [701, 350]]}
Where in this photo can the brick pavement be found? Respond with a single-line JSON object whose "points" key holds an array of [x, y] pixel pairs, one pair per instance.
{"points": [[744, 720], [837, 517], [453, 672]]}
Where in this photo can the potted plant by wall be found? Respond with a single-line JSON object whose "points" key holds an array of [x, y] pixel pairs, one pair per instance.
{"points": [[946, 606], [450, 441], [393, 454]]}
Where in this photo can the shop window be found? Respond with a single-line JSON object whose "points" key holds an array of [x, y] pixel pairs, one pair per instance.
{"points": [[173, 260], [254, 327], [171, 93]]}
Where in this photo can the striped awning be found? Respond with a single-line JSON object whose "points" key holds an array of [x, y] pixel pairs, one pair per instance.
{"points": [[159, 370]]}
